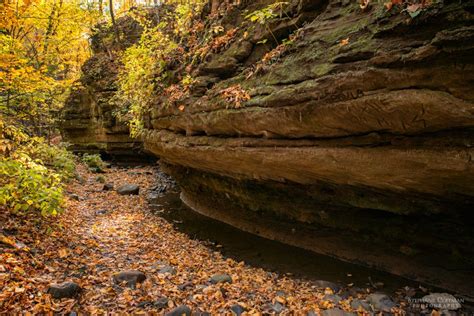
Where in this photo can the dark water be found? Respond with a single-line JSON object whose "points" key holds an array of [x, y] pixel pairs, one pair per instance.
{"points": [[271, 255]]}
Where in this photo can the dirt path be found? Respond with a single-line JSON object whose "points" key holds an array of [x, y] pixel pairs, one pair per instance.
{"points": [[103, 233]]}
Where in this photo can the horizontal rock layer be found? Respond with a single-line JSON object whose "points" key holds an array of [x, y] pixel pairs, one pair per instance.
{"points": [[357, 141], [360, 150]]}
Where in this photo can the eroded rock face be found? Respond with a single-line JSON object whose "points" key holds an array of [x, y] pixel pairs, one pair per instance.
{"points": [[89, 123], [356, 142]]}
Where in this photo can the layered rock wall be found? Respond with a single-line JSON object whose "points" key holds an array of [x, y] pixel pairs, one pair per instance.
{"points": [[89, 122], [356, 142], [353, 140]]}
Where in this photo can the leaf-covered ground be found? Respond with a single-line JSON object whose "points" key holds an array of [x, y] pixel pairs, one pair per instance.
{"points": [[102, 233]]}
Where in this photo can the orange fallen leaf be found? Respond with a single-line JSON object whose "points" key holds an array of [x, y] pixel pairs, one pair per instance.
{"points": [[344, 42], [63, 253]]}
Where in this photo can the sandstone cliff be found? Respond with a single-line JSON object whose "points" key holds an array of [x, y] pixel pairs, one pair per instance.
{"points": [[89, 123], [356, 141]]}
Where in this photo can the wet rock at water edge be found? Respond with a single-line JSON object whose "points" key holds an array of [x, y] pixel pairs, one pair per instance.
{"points": [[130, 278], [442, 301], [221, 278], [128, 189], [237, 310], [108, 187], [381, 302], [326, 284], [180, 311], [336, 312], [64, 290]]}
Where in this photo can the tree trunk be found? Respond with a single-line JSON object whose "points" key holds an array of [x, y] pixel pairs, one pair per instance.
{"points": [[114, 25]]}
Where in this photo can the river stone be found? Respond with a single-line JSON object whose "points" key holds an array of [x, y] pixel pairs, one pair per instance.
{"points": [[443, 301], [381, 302], [277, 307], [356, 303], [336, 312], [130, 277], [101, 212], [180, 311], [333, 298], [237, 310], [167, 269], [108, 187], [221, 278], [128, 189], [162, 302], [326, 284], [64, 290], [74, 197]]}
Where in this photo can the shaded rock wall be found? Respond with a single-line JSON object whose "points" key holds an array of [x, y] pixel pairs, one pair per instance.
{"points": [[356, 142], [89, 123]]}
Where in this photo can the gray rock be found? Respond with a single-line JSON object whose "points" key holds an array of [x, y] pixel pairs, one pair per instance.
{"points": [[327, 284], [128, 189], [96, 170], [108, 187], [381, 302], [280, 293], [356, 303], [180, 311], [221, 278], [237, 310], [277, 307], [101, 212], [162, 302], [167, 269], [145, 304], [74, 197], [311, 313], [153, 198], [333, 298], [64, 290], [442, 301], [336, 312], [185, 286], [130, 277]]}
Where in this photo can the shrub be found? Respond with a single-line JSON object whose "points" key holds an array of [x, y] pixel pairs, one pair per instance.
{"points": [[30, 186], [93, 161], [53, 157]]}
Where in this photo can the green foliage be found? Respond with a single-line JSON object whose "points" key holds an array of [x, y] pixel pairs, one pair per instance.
{"points": [[144, 73], [265, 15], [268, 13], [56, 158], [93, 161], [30, 186]]}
